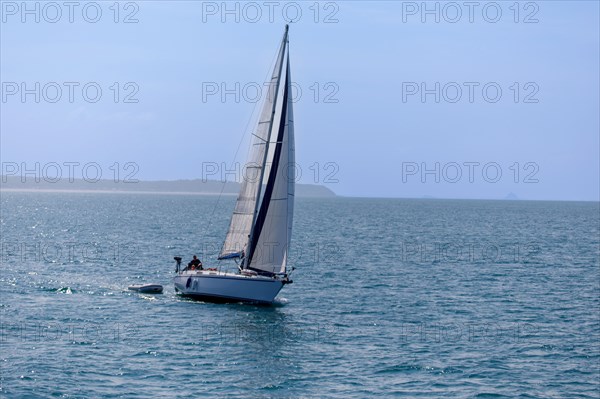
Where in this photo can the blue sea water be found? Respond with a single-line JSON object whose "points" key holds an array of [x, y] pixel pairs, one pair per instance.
{"points": [[391, 298]]}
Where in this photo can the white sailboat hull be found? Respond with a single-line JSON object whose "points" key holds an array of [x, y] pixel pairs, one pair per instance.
{"points": [[227, 287]]}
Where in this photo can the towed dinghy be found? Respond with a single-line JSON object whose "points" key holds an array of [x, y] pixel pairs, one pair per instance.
{"points": [[147, 288]]}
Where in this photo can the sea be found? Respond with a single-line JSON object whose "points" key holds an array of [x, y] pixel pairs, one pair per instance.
{"points": [[392, 298]]}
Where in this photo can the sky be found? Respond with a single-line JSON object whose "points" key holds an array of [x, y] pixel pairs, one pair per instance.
{"points": [[393, 99]]}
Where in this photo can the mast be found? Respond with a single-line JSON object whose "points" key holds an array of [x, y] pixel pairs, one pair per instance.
{"points": [[264, 162]]}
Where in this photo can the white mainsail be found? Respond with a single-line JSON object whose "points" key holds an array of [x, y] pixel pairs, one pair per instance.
{"points": [[261, 225]]}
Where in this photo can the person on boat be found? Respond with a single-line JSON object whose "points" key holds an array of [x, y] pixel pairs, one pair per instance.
{"points": [[195, 264]]}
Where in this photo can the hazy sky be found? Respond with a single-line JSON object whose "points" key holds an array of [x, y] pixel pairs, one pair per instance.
{"points": [[462, 100]]}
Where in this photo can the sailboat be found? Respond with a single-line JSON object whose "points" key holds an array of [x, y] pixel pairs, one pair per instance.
{"points": [[260, 229]]}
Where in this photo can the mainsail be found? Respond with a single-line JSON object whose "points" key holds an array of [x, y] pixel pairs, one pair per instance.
{"points": [[261, 225]]}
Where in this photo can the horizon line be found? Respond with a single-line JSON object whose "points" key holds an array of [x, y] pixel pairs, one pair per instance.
{"points": [[101, 191]]}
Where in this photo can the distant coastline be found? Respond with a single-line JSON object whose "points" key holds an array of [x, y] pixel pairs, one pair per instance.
{"points": [[170, 187]]}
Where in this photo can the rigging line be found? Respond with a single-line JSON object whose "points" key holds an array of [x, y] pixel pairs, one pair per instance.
{"points": [[256, 105]]}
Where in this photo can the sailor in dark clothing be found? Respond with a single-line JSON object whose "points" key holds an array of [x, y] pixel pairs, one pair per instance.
{"points": [[195, 264]]}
